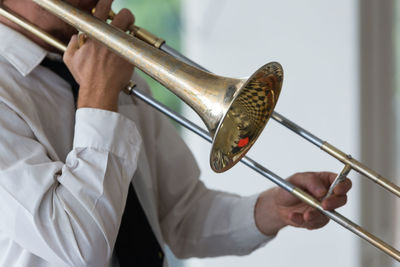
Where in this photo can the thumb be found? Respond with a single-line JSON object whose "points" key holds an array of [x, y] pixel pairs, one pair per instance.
{"points": [[312, 182], [72, 47]]}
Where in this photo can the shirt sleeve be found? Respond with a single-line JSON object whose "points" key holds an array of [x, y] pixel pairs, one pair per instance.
{"points": [[67, 213], [197, 221]]}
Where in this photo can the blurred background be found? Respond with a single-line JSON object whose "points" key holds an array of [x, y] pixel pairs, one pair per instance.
{"points": [[341, 60]]}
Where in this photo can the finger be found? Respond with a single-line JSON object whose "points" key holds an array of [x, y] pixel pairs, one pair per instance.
{"points": [[327, 177], [312, 182], [102, 9], [343, 187], [123, 20], [296, 219], [71, 49], [312, 215], [334, 202], [285, 198], [314, 219]]}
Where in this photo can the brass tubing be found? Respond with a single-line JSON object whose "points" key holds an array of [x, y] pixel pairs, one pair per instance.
{"points": [[160, 66], [297, 192], [348, 224], [33, 29], [338, 154], [141, 33], [235, 111], [361, 168], [147, 36], [330, 149], [339, 178]]}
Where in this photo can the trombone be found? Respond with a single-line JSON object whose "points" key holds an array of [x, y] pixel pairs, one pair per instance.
{"points": [[235, 111]]}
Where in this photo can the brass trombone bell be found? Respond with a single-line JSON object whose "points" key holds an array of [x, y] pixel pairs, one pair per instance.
{"points": [[235, 111], [244, 117]]}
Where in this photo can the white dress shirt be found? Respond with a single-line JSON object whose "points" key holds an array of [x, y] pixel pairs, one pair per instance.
{"points": [[65, 173]]}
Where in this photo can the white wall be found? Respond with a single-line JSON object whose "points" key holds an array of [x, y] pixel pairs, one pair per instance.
{"points": [[316, 42]]}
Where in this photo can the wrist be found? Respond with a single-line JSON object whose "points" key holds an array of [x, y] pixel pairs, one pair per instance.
{"points": [[98, 98], [267, 215]]}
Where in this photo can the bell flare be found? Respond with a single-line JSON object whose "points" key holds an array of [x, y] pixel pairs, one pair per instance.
{"points": [[246, 117]]}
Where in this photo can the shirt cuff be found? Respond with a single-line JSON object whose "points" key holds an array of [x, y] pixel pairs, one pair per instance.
{"points": [[106, 130]]}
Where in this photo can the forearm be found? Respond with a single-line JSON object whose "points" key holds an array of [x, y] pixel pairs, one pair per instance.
{"points": [[215, 224]]}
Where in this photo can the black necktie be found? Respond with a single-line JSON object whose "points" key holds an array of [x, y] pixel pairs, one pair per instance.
{"points": [[136, 245]]}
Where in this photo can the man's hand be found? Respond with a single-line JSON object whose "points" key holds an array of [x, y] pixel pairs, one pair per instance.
{"points": [[276, 208], [100, 73]]}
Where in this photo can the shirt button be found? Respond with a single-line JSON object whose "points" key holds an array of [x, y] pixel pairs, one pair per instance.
{"points": [[72, 164]]}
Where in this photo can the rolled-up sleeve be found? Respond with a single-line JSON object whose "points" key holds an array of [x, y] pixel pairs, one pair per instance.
{"points": [[67, 213], [197, 221]]}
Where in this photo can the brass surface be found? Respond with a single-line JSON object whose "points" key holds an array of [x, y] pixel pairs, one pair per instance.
{"points": [[361, 168], [146, 36], [246, 117], [81, 39], [33, 29], [140, 33], [211, 96], [129, 88], [339, 178], [348, 224]]}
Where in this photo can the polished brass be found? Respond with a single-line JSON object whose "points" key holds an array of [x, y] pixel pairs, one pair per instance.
{"points": [[130, 87], [361, 168], [235, 111], [246, 117], [350, 163], [81, 39], [339, 178], [141, 33], [348, 224], [147, 36], [33, 29]]}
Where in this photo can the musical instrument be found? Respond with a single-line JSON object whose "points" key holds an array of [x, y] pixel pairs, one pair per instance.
{"points": [[234, 110]]}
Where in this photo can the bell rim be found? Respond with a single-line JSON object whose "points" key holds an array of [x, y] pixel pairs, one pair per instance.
{"points": [[233, 161]]}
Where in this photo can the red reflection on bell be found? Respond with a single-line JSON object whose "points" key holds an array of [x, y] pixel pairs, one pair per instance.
{"points": [[243, 142]]}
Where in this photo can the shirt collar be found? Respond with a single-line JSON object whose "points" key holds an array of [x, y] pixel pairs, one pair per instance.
{"points": [[19, 51]]}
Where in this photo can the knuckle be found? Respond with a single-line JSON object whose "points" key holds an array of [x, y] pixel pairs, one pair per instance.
{"points": [[66, 59], [126, 16], [298, 174], [66, 56], [125, 12]]}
